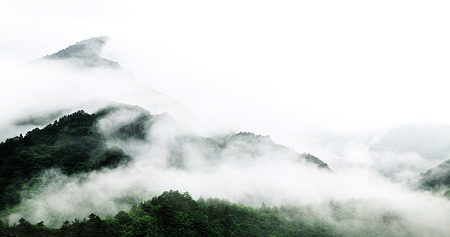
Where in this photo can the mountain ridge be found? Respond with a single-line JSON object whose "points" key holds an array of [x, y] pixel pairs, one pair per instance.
{"points": [[85, 54], [78, 143]]}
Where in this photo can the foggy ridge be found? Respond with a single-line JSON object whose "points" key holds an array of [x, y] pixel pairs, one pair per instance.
{"points": [[85, 54], [80, 142]]}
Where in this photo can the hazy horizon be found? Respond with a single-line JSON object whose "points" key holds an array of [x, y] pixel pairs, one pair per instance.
{"points": [[340, 80]]}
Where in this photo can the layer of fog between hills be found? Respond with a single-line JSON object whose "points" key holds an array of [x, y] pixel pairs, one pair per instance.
{"points": [[362, 163]]}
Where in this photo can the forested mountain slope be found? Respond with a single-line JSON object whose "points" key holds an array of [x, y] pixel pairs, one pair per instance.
{"points": [[76, 144], [71, 144], [436, 179]]}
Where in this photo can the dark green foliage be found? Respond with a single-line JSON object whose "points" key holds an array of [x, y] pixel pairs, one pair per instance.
{"points": [[25, 228], [72, 144], [177, 214], [111, 158]]}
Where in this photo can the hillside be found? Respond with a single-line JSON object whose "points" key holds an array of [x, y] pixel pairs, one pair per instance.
{"points": [[76, 144], [71, 144], [436, 179], [177, 214], [85, 54]]}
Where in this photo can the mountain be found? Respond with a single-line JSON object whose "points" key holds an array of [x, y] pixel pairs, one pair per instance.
{"points": [[70, 144], [105, 170], [107, 164], [51, 172], [85, 54], [82, 142], [61, 90], [85, 146]]}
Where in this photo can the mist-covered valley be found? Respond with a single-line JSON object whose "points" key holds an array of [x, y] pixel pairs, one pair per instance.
{"points": [[274, 126]]}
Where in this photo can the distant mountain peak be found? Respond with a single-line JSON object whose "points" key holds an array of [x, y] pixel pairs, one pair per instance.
{"points": [[85, 54]]}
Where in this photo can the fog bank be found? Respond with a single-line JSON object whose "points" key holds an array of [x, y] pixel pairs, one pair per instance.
{"points": [[334, 79]]}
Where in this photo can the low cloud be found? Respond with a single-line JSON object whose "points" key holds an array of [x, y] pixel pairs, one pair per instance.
{"points": [[355, 200], [250, 72]]}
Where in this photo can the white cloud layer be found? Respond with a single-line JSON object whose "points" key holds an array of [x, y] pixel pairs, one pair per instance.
{"points": [[324, 77]]}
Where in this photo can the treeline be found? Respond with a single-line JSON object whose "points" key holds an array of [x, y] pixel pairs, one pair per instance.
{"points": [[72, 144], [178, 214]]}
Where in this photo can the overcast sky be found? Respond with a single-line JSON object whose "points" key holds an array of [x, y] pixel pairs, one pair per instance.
{"points": [[289, 69], [299, 71]]}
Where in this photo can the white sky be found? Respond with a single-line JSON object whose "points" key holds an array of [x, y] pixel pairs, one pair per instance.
{"points": [[288, 69], [294, 70]]}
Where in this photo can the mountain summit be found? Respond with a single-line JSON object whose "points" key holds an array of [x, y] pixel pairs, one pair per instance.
{"points": [[85, 54]]}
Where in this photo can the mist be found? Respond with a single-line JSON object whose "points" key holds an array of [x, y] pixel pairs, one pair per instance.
{"points": [[246, 173], [333, 79]]}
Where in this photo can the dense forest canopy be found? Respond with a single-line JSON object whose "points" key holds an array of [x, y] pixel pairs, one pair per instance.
{"points": [[177, 214]]}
